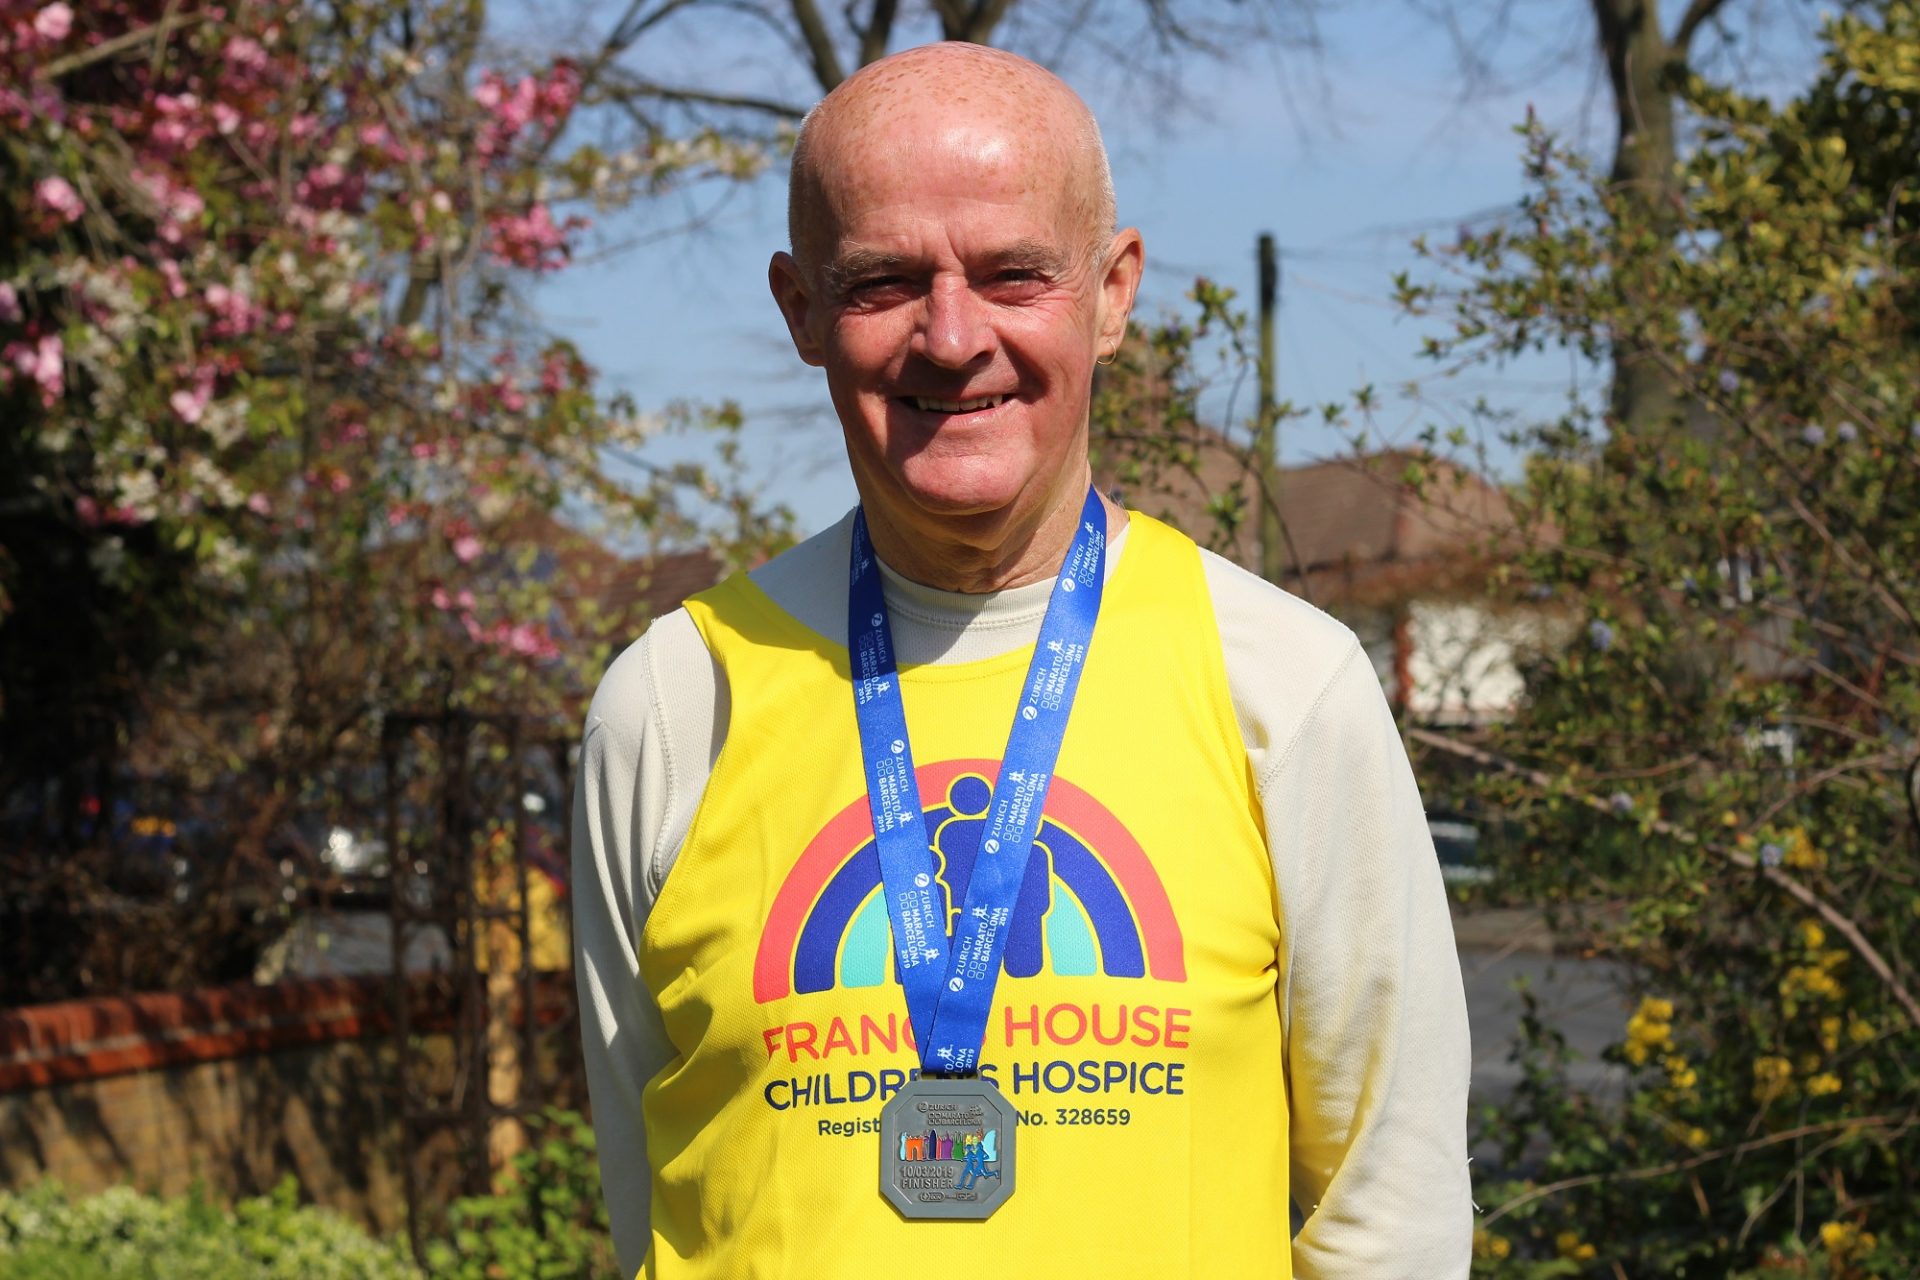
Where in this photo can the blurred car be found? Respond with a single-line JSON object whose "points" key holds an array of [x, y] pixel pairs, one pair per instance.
{"points": [[1457, 843]]}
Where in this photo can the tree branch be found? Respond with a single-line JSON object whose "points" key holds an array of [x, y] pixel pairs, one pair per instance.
{"points": [[118, 45], [619, 91], [953, 18], [1789, 884], [1898, 1123], [983, 18], [1697, 14], [820, 50], [877, 32]]}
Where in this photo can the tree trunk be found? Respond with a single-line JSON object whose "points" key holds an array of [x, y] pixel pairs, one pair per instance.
{"points": [[1643, 68]]}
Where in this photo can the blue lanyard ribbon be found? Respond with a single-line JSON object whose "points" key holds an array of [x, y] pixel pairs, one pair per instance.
{"points": [[950, 986]]}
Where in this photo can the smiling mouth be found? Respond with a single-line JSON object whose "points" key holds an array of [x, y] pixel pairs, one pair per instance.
{"points": [[927, 404]]}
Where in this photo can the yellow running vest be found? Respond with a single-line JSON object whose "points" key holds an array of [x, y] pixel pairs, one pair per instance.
{"points": [[1135, 1025]]}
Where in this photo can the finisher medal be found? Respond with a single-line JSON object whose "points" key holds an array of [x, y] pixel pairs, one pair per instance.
{"points": [[946, 1148], [947, 1138]]}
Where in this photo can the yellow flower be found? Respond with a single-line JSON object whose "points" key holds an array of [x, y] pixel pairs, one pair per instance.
{"points": [[1812, 934], [1830, 1034], [1810, 980], [1844, 1239], [1729, 819], [1488, 1245], [1771, 1078], [1823, 1084], [1679, 1073], [1698, 1138], [1571, 1246], [1636, 1052], [1800, 852], [1859, 1030]]}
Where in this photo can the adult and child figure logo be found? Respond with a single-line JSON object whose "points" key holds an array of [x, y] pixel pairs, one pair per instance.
{"points": [[978, 1149]]}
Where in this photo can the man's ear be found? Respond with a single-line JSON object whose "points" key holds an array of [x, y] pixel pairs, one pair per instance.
{"points": [[1126, 259], [797, 304]]}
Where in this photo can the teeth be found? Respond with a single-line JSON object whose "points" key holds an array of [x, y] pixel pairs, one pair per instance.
{"points": [[957, 406]]}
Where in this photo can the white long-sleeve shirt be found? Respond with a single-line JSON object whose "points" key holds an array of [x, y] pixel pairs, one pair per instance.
{"points": [[1372, 1007]]}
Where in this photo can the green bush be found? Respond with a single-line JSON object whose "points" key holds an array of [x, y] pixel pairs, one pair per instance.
{"points": [[123, 1235], [547, 1219]]}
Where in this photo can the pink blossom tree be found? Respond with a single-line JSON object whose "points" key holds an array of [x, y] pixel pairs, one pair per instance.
{"points": [[279, 445]]}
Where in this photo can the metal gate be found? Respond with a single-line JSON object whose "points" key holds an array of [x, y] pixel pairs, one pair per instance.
{"points": [[477, 810]]}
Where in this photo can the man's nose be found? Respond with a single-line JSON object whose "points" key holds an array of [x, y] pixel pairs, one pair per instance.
{"points": [[958, 331]]}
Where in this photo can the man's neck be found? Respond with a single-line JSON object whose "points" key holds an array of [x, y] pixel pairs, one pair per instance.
{"points": [[976, 557]]}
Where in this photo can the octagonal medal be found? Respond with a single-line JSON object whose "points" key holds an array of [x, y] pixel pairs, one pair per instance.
{"points": [[946, 1149]]}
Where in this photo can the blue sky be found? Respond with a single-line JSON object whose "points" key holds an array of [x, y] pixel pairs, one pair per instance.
{"points": [[1344, 173]]}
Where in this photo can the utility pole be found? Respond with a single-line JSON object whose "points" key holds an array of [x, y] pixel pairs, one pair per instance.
{"points": [[1266, 432]]}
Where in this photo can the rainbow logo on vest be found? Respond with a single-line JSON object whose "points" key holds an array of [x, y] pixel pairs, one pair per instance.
{"points": [[1091, 902]]}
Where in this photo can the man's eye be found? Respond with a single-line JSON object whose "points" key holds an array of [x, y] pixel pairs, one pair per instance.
{"points": [[875, 283]]}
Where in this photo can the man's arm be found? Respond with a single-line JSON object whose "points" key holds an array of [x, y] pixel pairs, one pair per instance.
{"points": [[1373, 1009], [1371, 1001], [625, 808]]}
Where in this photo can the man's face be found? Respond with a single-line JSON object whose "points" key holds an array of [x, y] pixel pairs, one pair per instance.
{"points": [[958, 302]]}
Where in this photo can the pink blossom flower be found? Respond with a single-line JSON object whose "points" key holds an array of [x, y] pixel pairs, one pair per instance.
{"points": [[225, 118], [260, 504], [531, 239], [441, 600], [339, 481], [189, 403], [176, 283], [245, 54], [57, 194], [185, 205], [53, 22], [234, 313], [180, 205], [396, 516], [555, 372], [42, 361], [530, 640], [10, 312], [466, 548]]}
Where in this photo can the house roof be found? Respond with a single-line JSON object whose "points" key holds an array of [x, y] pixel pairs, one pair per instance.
{"points": [[1358, 530]]}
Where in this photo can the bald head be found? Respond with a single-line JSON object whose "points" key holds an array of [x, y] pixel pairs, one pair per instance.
{"points": [[958, 97]]}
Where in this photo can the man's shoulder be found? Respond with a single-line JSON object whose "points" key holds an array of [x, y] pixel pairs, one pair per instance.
{"points": [[1265, 618], [1289, 665], [630, 689]]}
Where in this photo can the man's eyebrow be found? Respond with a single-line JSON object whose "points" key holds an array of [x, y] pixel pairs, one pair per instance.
{"points": [[1031, 255], [855, 263], [1027, 255]]}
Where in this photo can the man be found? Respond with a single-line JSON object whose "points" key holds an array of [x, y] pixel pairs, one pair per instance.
{"points": [[1203, 938]]}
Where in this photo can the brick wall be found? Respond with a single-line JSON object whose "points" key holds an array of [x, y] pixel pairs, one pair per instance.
{"points": [[233, 1087]]}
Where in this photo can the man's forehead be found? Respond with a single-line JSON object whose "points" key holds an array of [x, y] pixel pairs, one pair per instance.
{"points": [[923, 135]]}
